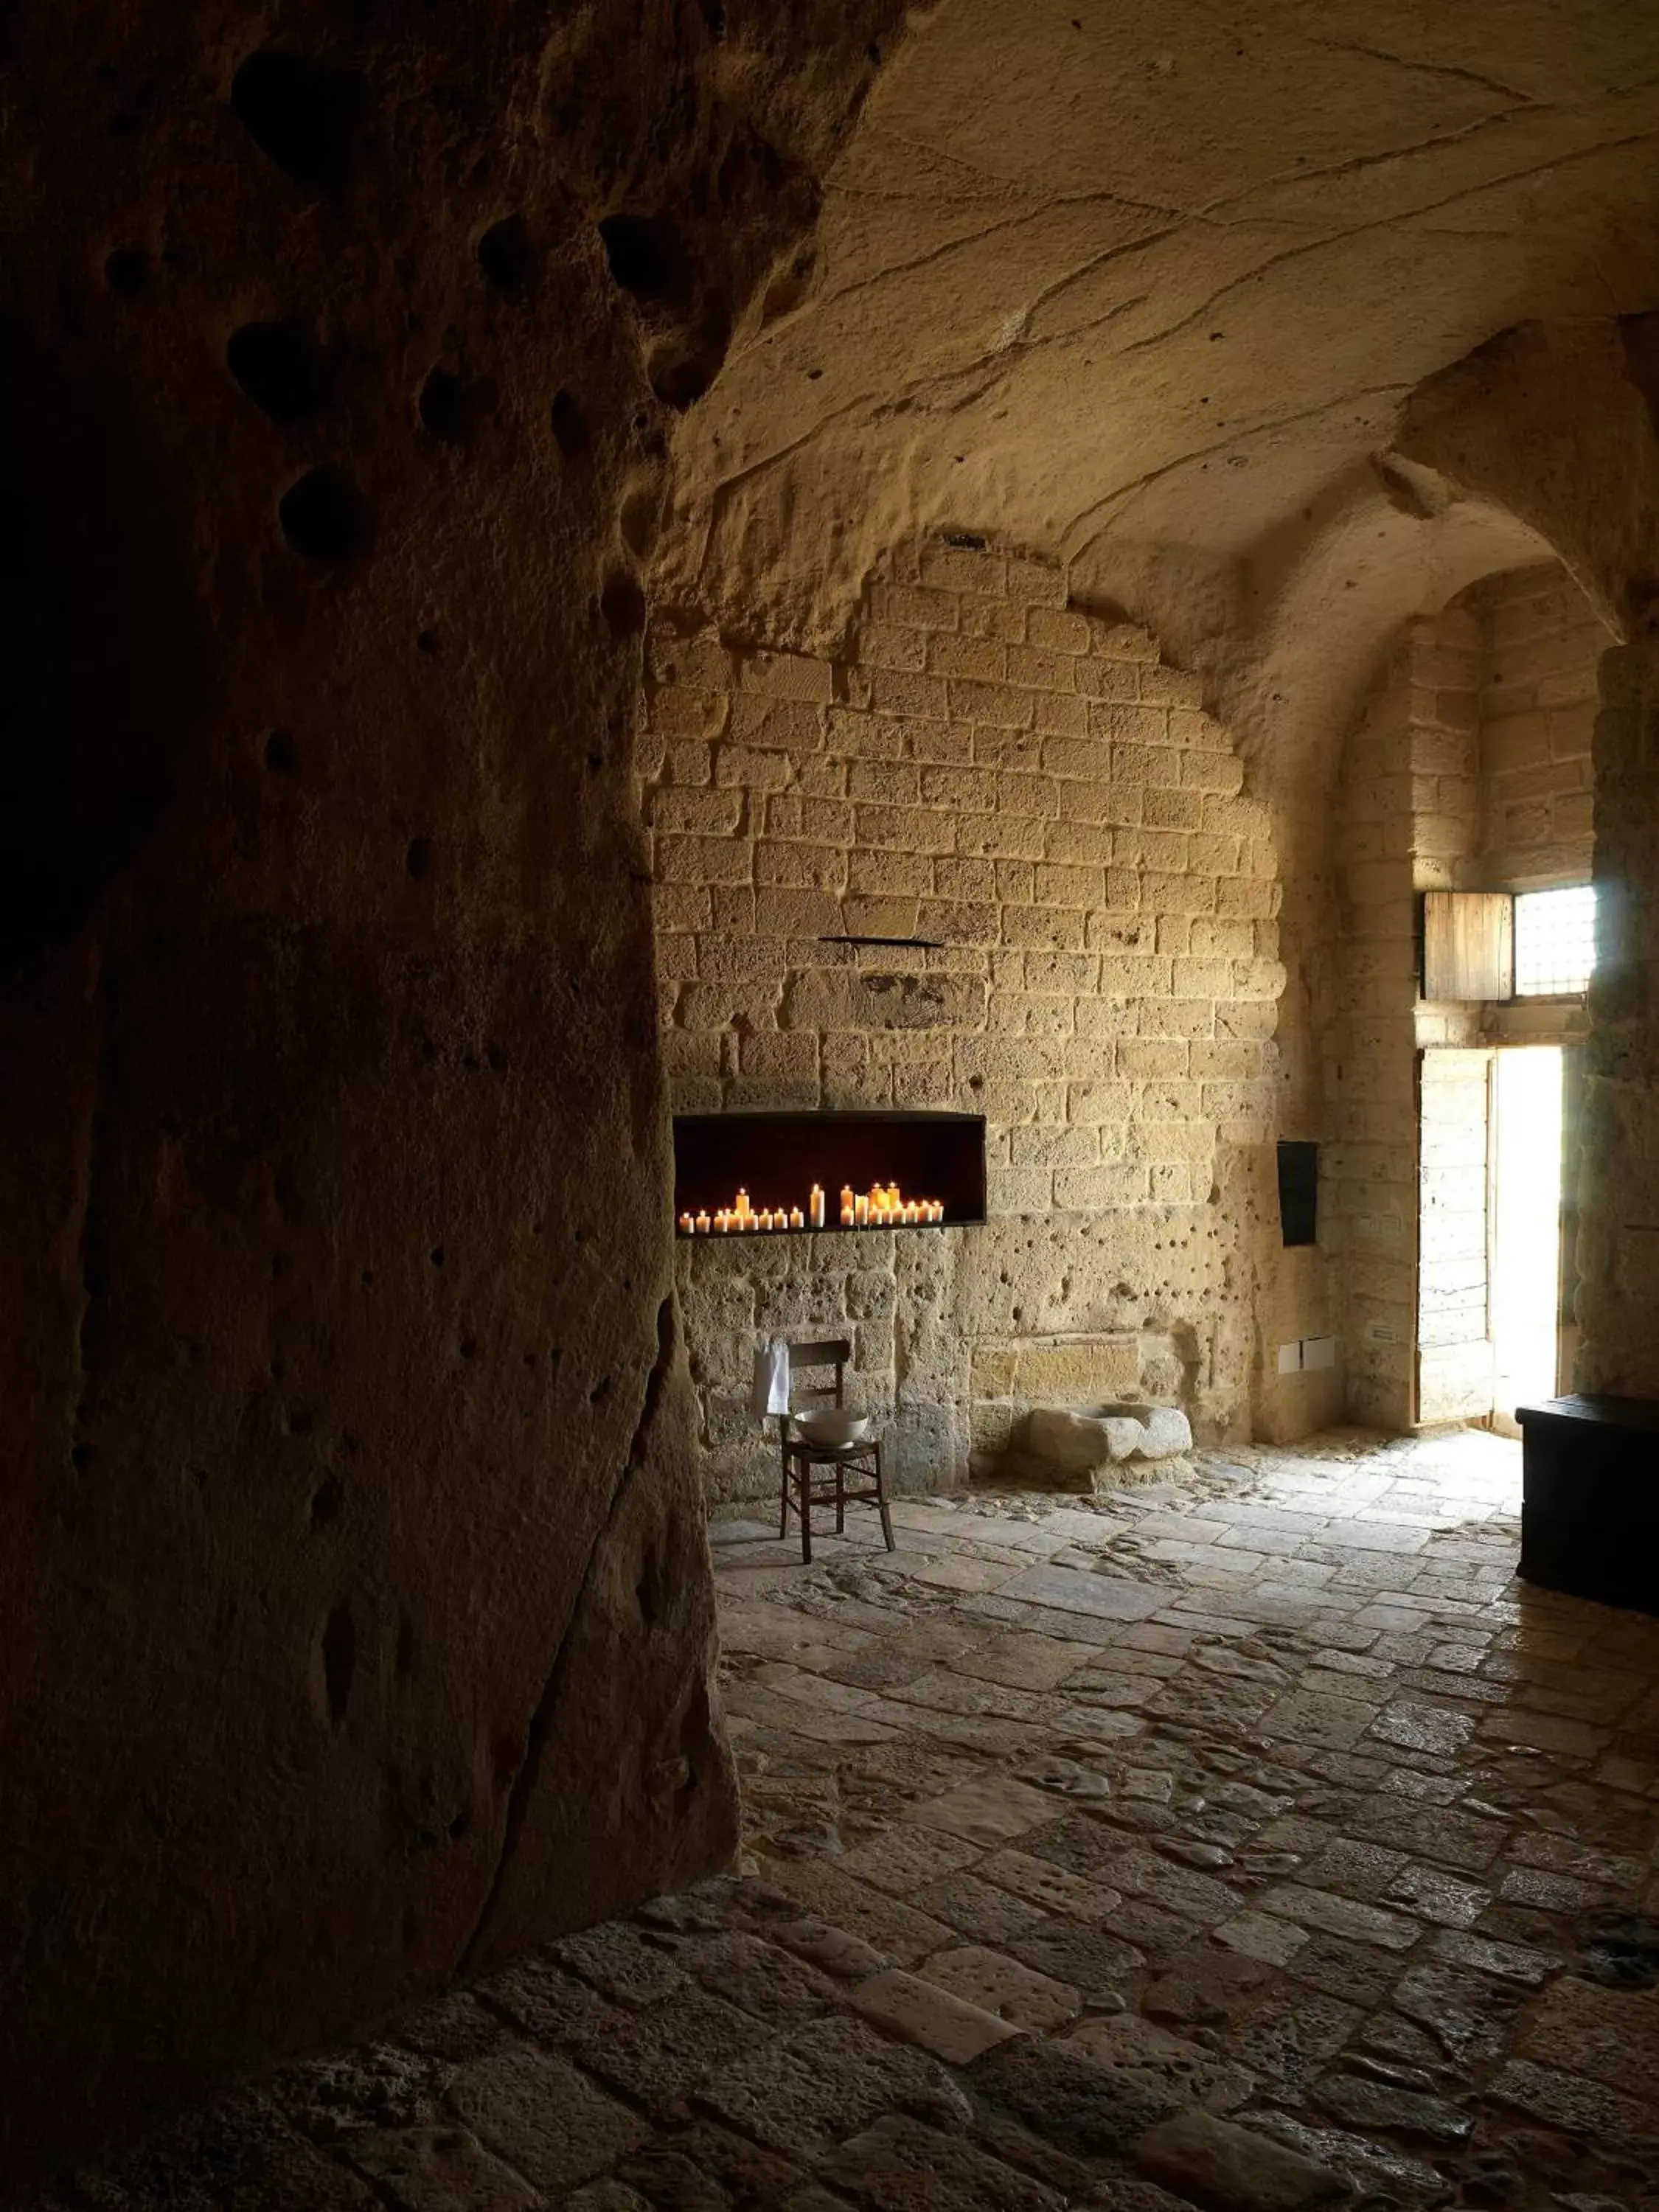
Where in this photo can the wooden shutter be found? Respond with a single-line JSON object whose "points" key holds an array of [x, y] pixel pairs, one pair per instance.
{"points": [[1469, 945]]}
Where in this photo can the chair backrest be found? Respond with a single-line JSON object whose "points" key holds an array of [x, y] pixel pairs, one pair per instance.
{"points": [[835, 1352]]}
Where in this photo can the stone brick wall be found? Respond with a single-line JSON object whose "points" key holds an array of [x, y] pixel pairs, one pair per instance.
{"points": [[1541, 645], [1031, 786], [1470, 768], [1409, 821]]}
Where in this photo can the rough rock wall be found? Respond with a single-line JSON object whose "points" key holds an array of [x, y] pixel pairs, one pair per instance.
{"points": [[358, 1609], [1617, 1242], [1031, 787], [1059, 302]]}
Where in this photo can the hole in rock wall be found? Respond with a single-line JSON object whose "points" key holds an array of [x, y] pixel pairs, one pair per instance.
{"points": [[442, 406], [304, 113], [325, 517], [504, 254], [281, 368], [648, 258], [681, 370], [126, 271]]}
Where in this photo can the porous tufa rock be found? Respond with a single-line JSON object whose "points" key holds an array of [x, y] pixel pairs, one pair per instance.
{"points": [[359, 1616]]}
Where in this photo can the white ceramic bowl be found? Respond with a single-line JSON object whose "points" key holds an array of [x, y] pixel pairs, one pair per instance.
{"points": [[833, 1424]]}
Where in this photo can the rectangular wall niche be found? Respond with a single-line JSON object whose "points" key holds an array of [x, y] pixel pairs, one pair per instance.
{"points": [[1298, 1192], [777, 1157]]}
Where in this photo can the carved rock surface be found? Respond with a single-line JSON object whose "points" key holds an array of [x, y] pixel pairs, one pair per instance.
{"points": [[358, 1613]]}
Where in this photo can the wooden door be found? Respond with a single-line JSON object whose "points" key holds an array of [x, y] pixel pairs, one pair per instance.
{"points": [[1454, 1352]]}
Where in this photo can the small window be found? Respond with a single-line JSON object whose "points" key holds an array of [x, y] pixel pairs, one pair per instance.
{"points": [[1554, 942]]}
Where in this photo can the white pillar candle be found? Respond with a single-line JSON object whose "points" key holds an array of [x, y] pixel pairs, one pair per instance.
{"points": [[861, 1211], [797, 1219], [815, 1206], [702, 1224]]}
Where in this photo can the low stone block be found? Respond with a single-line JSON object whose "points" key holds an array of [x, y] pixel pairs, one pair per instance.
{"points": [[1071, 1444]]}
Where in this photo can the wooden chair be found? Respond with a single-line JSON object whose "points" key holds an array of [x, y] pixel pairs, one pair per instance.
{"points": [[804, 1487]]}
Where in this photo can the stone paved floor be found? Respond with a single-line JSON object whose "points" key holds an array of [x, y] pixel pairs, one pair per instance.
{"points": [[1251, 1841]]}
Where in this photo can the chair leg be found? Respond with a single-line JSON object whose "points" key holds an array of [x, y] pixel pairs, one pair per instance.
{"points": [[804, 1509], [841, 1498], [881, 1503], [783, 1517]]}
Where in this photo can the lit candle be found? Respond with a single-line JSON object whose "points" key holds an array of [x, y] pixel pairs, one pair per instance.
{"points": [[936, 1209], [702, 1224], [797, 1219], [741, 1209], [723, 1220], [687, 1224], [848, 1214], [912, 1213], [815, 1206], [860, 1211]]}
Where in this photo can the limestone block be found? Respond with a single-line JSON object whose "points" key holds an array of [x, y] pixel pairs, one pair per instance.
{"points": [[952, 569], [1073, 1442], [1114, 683], [1060, 713], [1035, 584], [991, 618]]}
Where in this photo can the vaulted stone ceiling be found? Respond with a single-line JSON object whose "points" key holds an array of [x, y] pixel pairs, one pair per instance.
{"points": [[1134, 279]]}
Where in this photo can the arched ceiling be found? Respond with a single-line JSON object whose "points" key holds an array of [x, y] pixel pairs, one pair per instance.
{"points": [[1142, 285]]}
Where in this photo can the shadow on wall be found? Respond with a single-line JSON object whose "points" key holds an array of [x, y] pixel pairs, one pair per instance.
{"points": [[101, 684]]}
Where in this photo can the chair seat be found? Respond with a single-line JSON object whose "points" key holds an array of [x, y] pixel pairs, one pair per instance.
{"points": [[805, 1448]]}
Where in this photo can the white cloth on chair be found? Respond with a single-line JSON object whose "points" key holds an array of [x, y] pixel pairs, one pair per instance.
{"points": [[771, 1392]]}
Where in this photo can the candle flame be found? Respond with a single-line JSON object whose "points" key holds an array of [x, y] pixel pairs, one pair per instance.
{"points": [[884, 1206]]}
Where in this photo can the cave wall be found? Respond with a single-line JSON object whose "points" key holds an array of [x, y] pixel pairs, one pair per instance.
{"points": [[358, 1613]]}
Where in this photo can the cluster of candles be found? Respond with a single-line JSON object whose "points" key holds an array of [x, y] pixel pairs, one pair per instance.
{"points": [[884, 1206]]}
